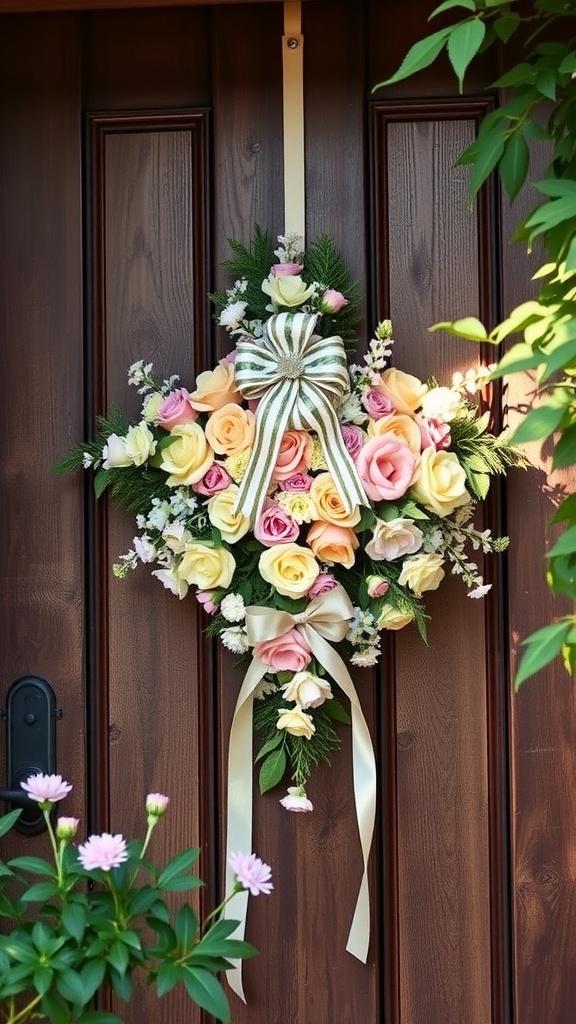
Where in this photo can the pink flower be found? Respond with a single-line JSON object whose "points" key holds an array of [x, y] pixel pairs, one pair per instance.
{"points": [[214, 480], [386, 467], [66, 828], [376, 586], [103, 852], [204, 597], [175, 409], [332, 301], [353, 438], [285, 269], [322, 584], [298, 482], [376, 404], [230, 358], [297, 800], [435, 434], [294, 454], [275, 526], [156, 804], [251, 873], [46, 788], [287, 653]]}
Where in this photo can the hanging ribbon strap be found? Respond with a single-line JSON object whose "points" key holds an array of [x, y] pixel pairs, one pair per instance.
{"points": [[324, 622], [298, 378]]}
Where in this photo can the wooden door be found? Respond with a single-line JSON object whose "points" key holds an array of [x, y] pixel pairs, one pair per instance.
{"points": [[134, 143]]}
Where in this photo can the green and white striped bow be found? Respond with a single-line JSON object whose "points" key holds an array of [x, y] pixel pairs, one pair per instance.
{"points": [[298, 378]]}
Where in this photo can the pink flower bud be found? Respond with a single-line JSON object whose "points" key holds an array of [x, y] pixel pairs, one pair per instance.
{"points": [[66, 828], [285, 269], [377, 586], [156, 804], [332, 301]]}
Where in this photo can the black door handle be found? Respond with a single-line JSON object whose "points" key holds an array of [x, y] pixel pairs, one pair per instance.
{"points": [[30, 718]]}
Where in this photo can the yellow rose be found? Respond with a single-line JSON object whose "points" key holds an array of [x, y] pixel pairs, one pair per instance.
{"points": [[333, 543], [441, 486], [404, 391], [422, 572], [402, 426], [215, 388], [329, 503], [288, 290], [189, 457], [230, 429], [296, 722], [232, 525], [290, 568], [392, 618], [206, 567], [140, 444]]}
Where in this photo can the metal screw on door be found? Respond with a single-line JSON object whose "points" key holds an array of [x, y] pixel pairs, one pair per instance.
{"points": [[30, 716]]}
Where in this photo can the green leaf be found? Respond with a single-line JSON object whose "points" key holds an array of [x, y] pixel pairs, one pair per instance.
{"points": [[561, 576], [270, 744], [7, 821], [468, 327], [487, 158], [565, 451], [178, 865], [448, 4], [419, 56], [556, 187], [183, 883], [506, 25], [168, 975], [463, 44], [99, 1017], [540, 422], [101, 481], [546, 81], [565, 545], [42, 936], [43, 979], [520, 357], [53, 1007], [39, 892], [532, 130], [35, 865], [71, 988], [541, 648], [549, 215], [74, 920], [336, 712], [514, 164], [186, 928], [92, 974], [568, 65], [272, 770], [566, 510], [207, 992], [118, 957], [142, 900], [122, 985]]}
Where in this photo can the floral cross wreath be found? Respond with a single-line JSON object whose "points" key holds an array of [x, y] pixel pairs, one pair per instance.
{"points": [[309, 503]]}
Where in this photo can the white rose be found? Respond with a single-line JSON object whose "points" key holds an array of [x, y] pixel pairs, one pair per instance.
{"points": [[441, 404], [114, 453]]}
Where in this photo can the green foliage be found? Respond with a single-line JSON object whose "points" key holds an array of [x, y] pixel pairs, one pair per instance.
{"points": [[282, 751], [539, 105]]}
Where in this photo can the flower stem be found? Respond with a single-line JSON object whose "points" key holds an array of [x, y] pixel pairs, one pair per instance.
{"points": [[24, 1013]]}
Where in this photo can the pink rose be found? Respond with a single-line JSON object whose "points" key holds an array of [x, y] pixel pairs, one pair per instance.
{"points": [[285, 269], [376, 586], [230, 358], [332, 301], [204, 597], [275, 526], [216, 479], [298, 482], [353, 439], [287, 653], [294, 454], [386, 467], [376, 404], [322, 584], [435, 434], [175, 409]]}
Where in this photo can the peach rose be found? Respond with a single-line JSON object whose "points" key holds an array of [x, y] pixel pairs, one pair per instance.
{"points": [[329, 503], [189, 457], [404, 391], [289, 568], [230, 429], [294, 455], [441, 486], [387, 467], [402, 426], [333, 543], [215, 388]]}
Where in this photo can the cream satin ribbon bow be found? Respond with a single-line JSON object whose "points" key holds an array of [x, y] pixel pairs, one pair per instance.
{"points": [[299, 378], [324, 622]]}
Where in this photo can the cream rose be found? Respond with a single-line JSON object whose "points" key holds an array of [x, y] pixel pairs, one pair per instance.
{"points": [[307, 690], [329, 503], [230, 429], [441, 486], [206, 567], [333, 544], [422, 572], [140, 444], [290, 568], [402, 426], [189, 457], [287, 291], [296, 722], [392, 618], [215, 388], [232, 525], [402, 389], [393, 539]]}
